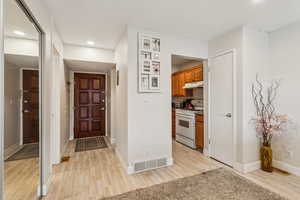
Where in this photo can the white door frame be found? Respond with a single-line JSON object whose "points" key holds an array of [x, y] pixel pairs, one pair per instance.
{"points": [[72, 114], [21, 101], [234, 103]]}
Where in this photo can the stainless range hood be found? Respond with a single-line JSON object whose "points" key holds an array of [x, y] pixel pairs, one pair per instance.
{"points": [[198, 84]]}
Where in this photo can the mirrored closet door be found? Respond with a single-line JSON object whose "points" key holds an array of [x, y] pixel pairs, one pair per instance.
{"points": [[22, 103]]}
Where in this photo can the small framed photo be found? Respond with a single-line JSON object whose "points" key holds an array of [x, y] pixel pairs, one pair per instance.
{"points": [[154, 82], [156, 44], [145, 43], [145, 55], [155, 68], [156, 56], [144, 84], [145, 67]]}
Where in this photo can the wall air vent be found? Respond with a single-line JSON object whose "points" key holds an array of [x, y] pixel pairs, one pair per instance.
{"points": [[150, 164]]}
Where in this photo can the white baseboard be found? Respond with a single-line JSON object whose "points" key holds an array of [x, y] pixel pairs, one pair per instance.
{"points": [[12, 149], [248, 167], [112, 140], [286, 167], [206, 152], [45, 188]]}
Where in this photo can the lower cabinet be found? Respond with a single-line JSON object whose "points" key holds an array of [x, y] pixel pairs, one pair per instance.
{"points": [[173, 123], [200, 131]]}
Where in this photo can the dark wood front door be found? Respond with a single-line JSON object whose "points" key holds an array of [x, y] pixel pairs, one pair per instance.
{"points": [[30, 106], [89, 105]]}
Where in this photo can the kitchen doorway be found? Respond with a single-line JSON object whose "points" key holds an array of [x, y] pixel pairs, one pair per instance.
{"points": [[188, 102]]}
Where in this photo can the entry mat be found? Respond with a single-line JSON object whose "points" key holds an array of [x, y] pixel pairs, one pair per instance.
{"points": [[87, 144], [28, 151]]}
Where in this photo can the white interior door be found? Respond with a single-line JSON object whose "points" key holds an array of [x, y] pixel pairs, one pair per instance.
{"points": [[221, 108]]}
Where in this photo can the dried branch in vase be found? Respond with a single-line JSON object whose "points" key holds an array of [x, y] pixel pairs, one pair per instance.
{"points": [[267, 122]]}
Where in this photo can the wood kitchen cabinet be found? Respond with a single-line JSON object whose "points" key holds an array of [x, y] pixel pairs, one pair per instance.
{"points": [[180, 78], [189, 76], [200, 131], [173, 123], [198, 74]]}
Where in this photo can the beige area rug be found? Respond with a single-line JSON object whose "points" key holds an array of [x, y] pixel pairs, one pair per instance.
{"points": [[219, 184], [87, 144]]}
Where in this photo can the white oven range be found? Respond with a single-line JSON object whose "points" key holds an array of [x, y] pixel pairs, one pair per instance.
{"points": [[186, 127]]}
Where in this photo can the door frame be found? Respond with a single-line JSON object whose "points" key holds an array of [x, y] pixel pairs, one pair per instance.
{"points": [[234, 104], [21, 100], [72, 101]]}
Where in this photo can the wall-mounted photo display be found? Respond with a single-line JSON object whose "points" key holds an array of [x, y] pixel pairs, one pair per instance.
{"points": [[144, 82], [154, 82], [146, 67], [149, 63], [156, 44], [155, 68], [156, 56]]}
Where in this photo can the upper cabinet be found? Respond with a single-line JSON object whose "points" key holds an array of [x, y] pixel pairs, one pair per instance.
{"points": [[198, 73], [180, 78]]}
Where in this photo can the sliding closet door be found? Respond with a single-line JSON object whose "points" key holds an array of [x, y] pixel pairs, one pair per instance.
{"points": [[22, 105]]}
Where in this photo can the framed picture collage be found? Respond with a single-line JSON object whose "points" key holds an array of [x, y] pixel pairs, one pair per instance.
{"points": [[149, 63]]}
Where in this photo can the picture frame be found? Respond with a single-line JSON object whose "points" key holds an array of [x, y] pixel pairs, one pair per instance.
{"points": [[149, 64], [154, 82]]}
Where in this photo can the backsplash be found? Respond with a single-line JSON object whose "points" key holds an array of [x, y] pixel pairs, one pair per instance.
{"points": [[197, 94]]}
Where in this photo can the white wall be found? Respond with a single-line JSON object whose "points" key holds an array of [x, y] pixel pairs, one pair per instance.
{"points": [[256, 62], [73, 52], [12, 106], [121, 103], [285, 65], [1, 101], [252, 58], [18, 46], [113, 83], [64, 108], [149, 121]]}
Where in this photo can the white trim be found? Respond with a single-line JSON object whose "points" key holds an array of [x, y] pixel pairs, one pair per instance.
{"points": [[234, 111], [112, 140], [44, 187], [12, 149], [21, 100], [286, 167], [72, 117]]}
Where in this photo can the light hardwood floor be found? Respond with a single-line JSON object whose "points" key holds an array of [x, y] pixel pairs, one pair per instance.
{"points": [[95, 174], [21, 179]]}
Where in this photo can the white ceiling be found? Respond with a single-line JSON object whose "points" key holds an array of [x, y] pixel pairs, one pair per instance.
{"points": [[78, 65], [16, 20], [22, 61], [104, 21]]}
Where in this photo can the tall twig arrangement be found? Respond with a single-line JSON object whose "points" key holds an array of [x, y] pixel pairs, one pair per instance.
{"points": [[267, 122]]}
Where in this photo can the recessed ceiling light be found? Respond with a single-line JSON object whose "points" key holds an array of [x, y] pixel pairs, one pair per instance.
{"points": [[257, 1], [90, 43], [19, 33]]}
